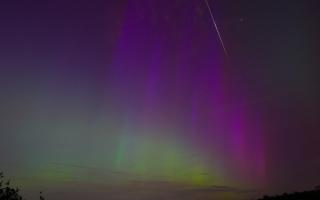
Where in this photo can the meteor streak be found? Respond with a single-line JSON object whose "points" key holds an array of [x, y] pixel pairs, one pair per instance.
{"points": [[216, 28]]}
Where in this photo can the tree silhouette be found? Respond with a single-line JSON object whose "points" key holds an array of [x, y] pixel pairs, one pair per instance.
{"points": [[306, 195], [7, 192]]}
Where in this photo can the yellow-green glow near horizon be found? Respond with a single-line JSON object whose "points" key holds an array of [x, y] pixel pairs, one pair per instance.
{"points": [[142, 158]]}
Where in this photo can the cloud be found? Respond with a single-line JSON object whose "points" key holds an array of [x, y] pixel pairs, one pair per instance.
{"points": [[219, 188], [93, 170]]}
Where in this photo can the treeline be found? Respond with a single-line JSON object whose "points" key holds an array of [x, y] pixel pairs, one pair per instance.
{"points": [[305, 195], [8, 192]]}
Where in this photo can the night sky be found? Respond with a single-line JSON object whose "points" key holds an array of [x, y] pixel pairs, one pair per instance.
{"points": [[136, 99]]}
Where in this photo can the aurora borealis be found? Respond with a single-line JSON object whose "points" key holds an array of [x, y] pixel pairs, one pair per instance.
{"points": [[135, 99]]}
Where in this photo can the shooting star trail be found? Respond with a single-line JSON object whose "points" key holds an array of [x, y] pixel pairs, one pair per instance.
{"points": [[216, 28]]}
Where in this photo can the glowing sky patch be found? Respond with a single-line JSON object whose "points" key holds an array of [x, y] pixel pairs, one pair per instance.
{"points": [[122, 99]]}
